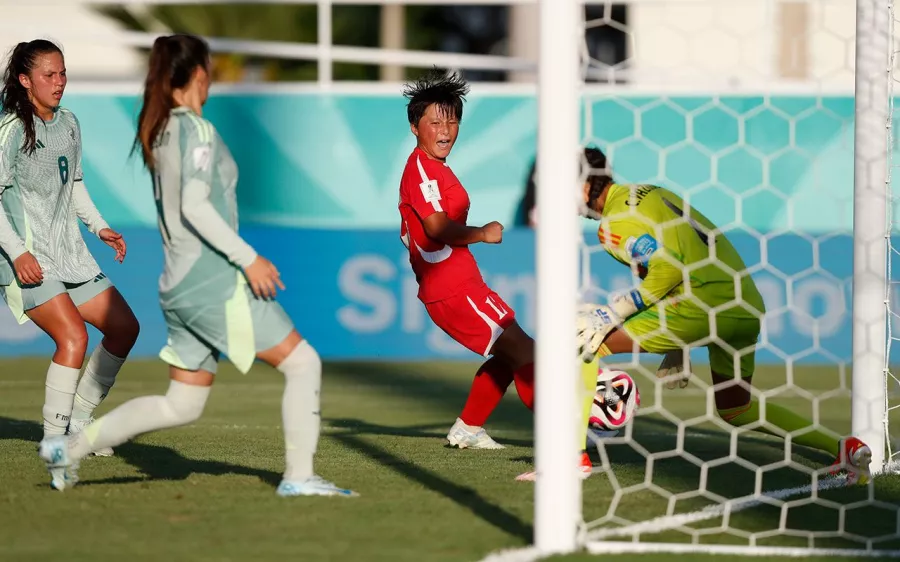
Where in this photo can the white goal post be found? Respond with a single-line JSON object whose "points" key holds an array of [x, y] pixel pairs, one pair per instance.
{"points": [[871, 233], [557, 489], [561, 521]]}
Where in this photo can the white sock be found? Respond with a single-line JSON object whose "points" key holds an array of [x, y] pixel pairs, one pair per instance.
{"points": [[182, 404], [98, 378], [302, 370], [59, 394], [467, 427]]}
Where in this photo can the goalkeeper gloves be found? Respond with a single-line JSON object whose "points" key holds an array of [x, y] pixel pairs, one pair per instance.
{"points": [[595, 322], [675, 368], [627, 304], [593, 325]]}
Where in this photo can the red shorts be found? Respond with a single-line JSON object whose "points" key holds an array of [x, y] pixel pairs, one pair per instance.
{"points": [[475, 318]]}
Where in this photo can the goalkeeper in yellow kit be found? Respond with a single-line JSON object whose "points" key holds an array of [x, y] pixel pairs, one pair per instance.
{"points": [[694, 292]]}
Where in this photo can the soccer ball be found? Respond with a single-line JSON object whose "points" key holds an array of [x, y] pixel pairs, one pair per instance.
{"points": [[616, 400]]}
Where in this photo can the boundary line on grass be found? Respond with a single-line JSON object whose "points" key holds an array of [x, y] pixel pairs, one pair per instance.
{"points": [[669, 522], [595, 543]]}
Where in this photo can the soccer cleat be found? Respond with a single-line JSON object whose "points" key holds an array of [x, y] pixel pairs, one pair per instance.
{"points": [[585, 469], [462, 438], [54, 451], [855, 459], [312, 486], [75, 426]]}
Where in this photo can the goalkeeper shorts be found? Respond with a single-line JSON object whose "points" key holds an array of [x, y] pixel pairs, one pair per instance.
{"points": [[731, 340]]}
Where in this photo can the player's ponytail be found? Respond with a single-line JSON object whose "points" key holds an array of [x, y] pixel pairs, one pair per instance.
{"points": [[14, 96], [173, 60], [598, 173]]}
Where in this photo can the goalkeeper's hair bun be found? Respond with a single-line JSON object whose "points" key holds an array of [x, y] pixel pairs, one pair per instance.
{"points": [[597, 171]]}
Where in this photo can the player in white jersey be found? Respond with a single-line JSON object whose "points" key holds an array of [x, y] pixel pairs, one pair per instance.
{"points": [[216, 293], [47, 273]]}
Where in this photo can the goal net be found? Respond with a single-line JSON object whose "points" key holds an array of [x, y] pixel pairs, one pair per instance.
{"points": [[772, 119]]}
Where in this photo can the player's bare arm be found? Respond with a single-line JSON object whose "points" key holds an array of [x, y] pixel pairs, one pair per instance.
{"points": [[442, 228]]}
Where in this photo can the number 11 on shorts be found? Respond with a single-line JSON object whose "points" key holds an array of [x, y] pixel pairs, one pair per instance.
{"points": [[500, 312]]}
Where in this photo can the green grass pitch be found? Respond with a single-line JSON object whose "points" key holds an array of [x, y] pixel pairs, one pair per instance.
{"points": [[206, 492]]}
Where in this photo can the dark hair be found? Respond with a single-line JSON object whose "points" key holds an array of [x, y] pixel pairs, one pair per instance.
{"points": [[173, 60], [598, 173], [14, 96], [447, 89]]}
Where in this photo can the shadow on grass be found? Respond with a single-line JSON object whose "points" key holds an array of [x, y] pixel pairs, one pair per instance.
{"points": [[412, 381], [430, 431], [464, 496], [156, 462], [164, 463]]}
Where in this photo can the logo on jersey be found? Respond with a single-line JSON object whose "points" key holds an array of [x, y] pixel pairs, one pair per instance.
{"points": [[430, 191], [643, 248], [202, 158], [39, 144]]}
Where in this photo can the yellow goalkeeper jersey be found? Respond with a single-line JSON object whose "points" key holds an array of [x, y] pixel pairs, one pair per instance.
{"points": [[675, 250]]}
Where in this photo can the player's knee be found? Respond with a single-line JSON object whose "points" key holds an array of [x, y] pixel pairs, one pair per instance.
{"points": [[302, 360], [185, 402], [128, 330], [730, 393], [514, 346], [72, 340]]}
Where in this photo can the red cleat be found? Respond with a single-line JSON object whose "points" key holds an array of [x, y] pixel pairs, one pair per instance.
{"points": [[585, 469], [855, 459]]}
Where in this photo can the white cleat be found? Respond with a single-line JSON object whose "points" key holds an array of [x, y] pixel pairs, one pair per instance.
{"points": [[312, 486], [462, 437], [76, 426], [54, 451]]}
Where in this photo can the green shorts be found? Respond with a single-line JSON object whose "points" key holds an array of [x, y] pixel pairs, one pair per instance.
{"points": [[238, 328], [20, 299], [685, 324]]}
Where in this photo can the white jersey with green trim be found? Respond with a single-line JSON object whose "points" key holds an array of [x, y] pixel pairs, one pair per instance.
{"points": [[43, 197], [194, 184]]}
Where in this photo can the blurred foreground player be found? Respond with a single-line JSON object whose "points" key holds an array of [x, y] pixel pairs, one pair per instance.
{"points": [[47, 273], [216, 293], [688, 268]]}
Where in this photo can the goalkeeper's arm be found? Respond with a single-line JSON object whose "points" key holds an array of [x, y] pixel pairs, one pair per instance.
{"points": [[663, 276]]}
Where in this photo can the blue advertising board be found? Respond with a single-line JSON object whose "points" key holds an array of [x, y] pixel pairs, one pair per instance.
{"points": [[351, 292], [318, 195], [334, 160]]}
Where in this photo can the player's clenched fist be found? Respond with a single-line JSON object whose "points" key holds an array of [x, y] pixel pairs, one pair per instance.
{"points": [[263, 278], [492, 232], [28, 270]]}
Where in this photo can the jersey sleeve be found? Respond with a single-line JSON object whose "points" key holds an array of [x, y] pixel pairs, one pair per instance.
{"points": [[196, 186], [78, 174], [10, 142], [84, 206], [427, 196], [634, 243]]}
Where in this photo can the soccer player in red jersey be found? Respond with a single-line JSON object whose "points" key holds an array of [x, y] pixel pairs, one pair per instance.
{"points": [[433, 210]]}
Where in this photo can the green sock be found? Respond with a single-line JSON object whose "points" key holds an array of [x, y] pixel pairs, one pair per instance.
{"points": [[785, 420], [589, 389]]}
